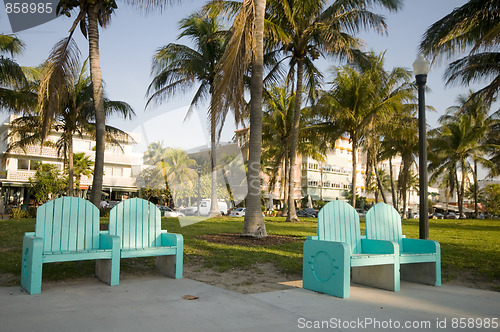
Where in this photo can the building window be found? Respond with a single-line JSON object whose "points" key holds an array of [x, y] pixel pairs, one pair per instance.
{"points": [[312, 183], [23, 164]]}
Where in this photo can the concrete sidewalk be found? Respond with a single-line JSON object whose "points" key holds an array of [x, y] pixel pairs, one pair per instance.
{"points": [[158, 304]]}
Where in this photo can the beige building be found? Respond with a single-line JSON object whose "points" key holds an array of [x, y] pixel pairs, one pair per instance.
{"points": [[121, 166]]}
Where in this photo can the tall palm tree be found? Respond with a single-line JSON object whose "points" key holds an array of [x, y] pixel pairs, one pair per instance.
{"points": [[91, 15], [361, 92], [277, 124], [65, 106], [177, 67], [245, 49], [306, 30], [472, 28], [400, 139]]}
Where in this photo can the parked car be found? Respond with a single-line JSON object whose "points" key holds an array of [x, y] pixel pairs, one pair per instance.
{"points": [[437, 216], [451, 215], [361, 212], [168, 212], [238, 212], [205, 205], [307, 212]]}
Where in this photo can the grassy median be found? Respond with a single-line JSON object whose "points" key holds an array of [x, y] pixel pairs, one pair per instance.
{"points": [[470, 249]]}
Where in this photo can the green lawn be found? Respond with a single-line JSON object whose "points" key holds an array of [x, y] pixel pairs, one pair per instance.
{"points": [[470, 249]]}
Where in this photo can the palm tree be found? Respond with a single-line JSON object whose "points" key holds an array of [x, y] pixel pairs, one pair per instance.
{"points": [[306, 30], [452, 144], [277, 124], [82, 166], [401, 138], [173, 165], [91, 15], [244, 48], [471, 28], [15, 93], [65, 106], [474, 108], [362, 92], [177, 67]]}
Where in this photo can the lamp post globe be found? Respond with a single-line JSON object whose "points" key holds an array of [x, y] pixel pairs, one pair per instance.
{"points": [[421, 69]]}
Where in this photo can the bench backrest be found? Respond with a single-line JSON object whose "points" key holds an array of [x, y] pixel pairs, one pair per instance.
{"points": [[137, 222], [68, 224], [383, 222], [338, 221]]}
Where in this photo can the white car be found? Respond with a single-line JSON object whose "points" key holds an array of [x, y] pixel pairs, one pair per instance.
{"points": [[169, 213], [239, 212]]}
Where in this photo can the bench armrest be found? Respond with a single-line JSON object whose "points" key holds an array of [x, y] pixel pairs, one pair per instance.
{"points": [[171, 240], [379, 247], [421, 246], [29, 234], [107, 241]]}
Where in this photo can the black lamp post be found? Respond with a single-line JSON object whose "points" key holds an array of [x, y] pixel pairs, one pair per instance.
{"points": [[420, 69]]}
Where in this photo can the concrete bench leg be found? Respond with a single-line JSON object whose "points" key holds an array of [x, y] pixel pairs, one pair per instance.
{"points": [[423, 273], [380, 276], [170, 265], [108, 271]]}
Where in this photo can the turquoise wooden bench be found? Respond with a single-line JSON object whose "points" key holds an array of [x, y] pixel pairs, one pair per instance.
{"points": [[420, 259], [67, 229], [329, 257], [138, 224]]}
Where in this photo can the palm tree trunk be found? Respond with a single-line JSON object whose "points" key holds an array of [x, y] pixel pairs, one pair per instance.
{"points": [[254, 222], [379, 183], [100, 118], [462, 192], [476, 209], [214, 207], [292, 213], [393, 192], [354, 164], [284, 181], [71, 183]]}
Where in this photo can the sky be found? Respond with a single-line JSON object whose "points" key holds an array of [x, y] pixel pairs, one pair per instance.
{"points": [[129, 42]]}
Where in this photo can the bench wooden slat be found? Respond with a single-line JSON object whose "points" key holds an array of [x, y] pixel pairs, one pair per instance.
{"points": [[329, 257], [421, 258], [67, 229], [138, 223]]}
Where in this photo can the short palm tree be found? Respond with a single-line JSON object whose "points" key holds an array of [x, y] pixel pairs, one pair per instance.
{"points": [[473, 28], [177, 67], [82, 166], [452, 147]]}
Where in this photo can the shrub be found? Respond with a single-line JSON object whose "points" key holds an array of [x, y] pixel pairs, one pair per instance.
{"points": [[17, 213]]}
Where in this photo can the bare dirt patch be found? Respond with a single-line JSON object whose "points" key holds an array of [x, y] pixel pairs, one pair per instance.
{"points": [[260, 278], [237, 239]]}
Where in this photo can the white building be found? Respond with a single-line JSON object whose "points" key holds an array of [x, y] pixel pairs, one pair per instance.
{"points": [[331, 179], [121, 166]]}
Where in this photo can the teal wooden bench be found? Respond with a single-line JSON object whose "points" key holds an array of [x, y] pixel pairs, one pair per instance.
{"points": [[420, 259], [138, 224], [67, 229], [338, 247]]}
